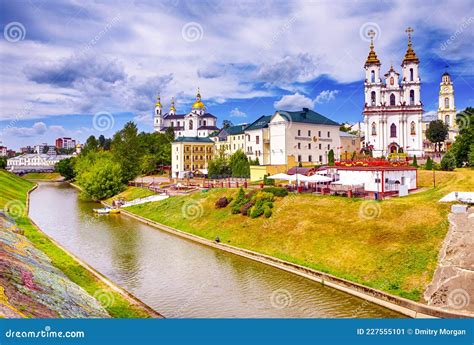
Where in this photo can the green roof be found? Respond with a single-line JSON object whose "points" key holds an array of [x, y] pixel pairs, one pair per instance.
{"points": [[193, 140], [261, 122], [234, 130], [307, 116]]}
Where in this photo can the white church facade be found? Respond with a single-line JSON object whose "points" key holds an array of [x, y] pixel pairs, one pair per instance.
{"points": [[393, 108], [196, 124]]}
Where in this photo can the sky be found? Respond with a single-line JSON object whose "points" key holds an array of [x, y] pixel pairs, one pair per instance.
{"points": [[76, 68]]}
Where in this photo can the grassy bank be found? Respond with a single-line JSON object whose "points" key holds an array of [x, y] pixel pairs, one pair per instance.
{"points": [[131, 193], [390, 245], [43, 176], [13, 195]]}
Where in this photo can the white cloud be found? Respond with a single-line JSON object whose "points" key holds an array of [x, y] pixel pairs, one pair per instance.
{"points": [[326, 96], [236, 112], [38, 129], [294, 102]]}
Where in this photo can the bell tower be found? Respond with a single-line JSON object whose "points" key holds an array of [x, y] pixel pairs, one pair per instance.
{"points": [[157, 117], [447, 108]]}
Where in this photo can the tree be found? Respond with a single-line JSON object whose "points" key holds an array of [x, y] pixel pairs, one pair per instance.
{"points": [[127, 150], [219, 166], [437, 132], [462, 147], [66, 168], [227, 124], [239, 164], [3, 162], [448, 162], [471, 156], [45, 149], [415, 163], [99, 176], [429, 164], [331, 157], [92, 144]]}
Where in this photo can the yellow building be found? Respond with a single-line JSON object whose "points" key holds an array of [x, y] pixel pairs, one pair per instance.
{"points": [[231, 139], [447, 107], [190, 155], [349, 143]]}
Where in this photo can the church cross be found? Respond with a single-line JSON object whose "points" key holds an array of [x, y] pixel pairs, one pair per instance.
{"points": [[371, 34], [409, 30]]}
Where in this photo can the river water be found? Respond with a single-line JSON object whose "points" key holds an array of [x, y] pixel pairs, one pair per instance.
{"points": [[180, 278]]}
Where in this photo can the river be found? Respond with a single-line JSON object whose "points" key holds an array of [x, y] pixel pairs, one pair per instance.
{"points": [[180, 278]]}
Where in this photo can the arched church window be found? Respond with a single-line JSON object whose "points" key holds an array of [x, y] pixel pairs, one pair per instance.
{"points": [[446, 120], [393, 131], [412, 97], [411, 74], [413, 128], [172, 124], [392, 99], [372, 97], [392, 81], [190, 126], [205, 123], [446, 102], [372, 76], [374, 129]]}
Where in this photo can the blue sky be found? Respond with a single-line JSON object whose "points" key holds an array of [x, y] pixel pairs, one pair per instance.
{"points": [[62, 62]]}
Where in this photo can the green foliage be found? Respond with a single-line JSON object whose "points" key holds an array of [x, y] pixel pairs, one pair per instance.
{"points": [[267, 212], [239, 164], [92, 144], [463, 146], [300, 165], [267, 181], [219, 166], [263, 196], [448, 163], [3, 162], [471, 156], [99, 175], [331, 157], [276, 191], [239, 201], [415, 163], [429, 164], [437, 132], [66, 168], [244, 209]]}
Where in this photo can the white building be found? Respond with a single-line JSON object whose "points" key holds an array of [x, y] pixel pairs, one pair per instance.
{"points": [[196, 123], [393, 108], [305, 135], [34, 162], [3, 151], [39, 149], [447, 107], [257, 140]]}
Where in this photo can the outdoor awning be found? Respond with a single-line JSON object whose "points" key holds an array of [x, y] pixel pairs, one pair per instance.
{"points": [[280, 176], [315, 178]]}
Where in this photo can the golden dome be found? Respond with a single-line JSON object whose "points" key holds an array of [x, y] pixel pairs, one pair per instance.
{"points": [[198, 104], [158, 102], [372, 58], [410, 55], [172, 107]]}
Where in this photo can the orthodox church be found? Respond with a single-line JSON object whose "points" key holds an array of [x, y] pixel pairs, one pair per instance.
{"points": [[196, 123], [393, 108]]}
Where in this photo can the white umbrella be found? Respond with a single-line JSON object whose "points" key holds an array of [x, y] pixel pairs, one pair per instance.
{"points": [[316, 178], [280, 176]]}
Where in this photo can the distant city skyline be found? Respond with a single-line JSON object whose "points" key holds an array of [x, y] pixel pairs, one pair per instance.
{"points": [[62, 62]]}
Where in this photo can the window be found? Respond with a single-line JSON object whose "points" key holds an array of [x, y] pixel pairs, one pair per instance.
{"points": [[190, 124], [446, 102], [320, 147], [372, 76], [309, 146], [329, 146], [299, 145], [412, 128], [319, 133], [392, 81], [177, 124], [372, 98], [205, 123], [299, 158], [257, 139], [329, 134], [374, 129], [320, 158], [392, 99], [411, 74], [412, 97], [393, 131], [172, 124], [309, 133], [446, 120], [299, 132], [310, 158]]}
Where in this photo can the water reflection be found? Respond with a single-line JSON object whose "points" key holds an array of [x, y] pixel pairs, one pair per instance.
{"points": [[180, 278]]}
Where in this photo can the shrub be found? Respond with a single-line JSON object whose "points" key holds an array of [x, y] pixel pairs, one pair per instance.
{"points": [[250, 194], [267, 181], [268, 212], [222, 202], [448, 163], [276, 191], [429, 164], [415, 163], [244, 209], [256, 211], [264, 196]]}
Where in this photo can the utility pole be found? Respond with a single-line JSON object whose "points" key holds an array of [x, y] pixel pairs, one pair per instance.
{"points": [[434, 179]]}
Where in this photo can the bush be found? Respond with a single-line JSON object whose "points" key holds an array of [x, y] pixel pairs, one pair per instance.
{"points": [[448, 163], [244, 209], [268, 212], [415, 163], [429, 164], [256, 211], [264, 196], [267, 181], [276, 191], [222, 202]]}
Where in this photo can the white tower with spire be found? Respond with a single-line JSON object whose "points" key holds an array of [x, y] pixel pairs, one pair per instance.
{"points": [[158, 116], [447, 107]]}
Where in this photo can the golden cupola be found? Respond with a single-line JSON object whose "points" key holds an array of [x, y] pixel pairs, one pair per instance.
{"points": [[158, 101], [172, 107], [372, 59], [410, 55], [198, 104]]}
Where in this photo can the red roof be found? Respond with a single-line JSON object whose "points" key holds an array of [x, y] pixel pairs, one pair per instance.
{"points": [[376, 168]]}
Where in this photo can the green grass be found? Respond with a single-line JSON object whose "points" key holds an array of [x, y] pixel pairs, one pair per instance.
{"points": [[43, 176], [131, 193], [14, 189], [395, 251]]}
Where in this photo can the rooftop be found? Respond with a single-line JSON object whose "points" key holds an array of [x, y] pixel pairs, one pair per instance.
{"points": [[307, 116], [193, 140], [261, 122]]}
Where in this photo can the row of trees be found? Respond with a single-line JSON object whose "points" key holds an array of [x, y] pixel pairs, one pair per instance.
{"points": [[461, 152], [237, 165], [106, 165]]}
